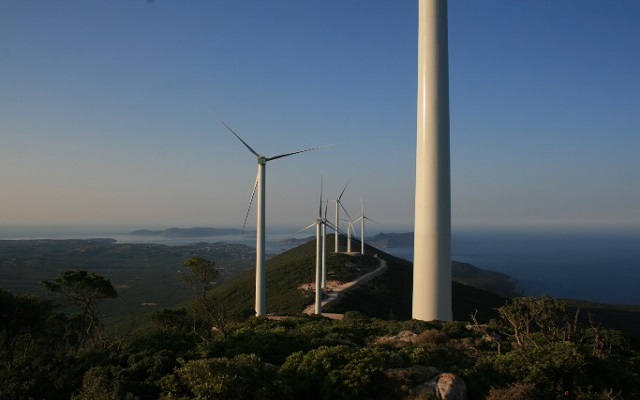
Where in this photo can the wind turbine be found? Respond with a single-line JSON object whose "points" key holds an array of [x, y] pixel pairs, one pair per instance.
{"points": [[321, 253], [317, 224], [349, 231], [261, 281], [324, 247], [337, 224], [361, 219]]}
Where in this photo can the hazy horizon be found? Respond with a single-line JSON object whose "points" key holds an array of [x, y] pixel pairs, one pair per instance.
{"points": [[82, 230]]}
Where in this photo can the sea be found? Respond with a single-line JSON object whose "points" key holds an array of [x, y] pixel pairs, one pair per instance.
{"points": [[595, 265], [599, 265]]}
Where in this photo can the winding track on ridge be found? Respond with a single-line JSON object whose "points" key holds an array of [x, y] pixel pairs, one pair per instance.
{"points": [[336, 291]]}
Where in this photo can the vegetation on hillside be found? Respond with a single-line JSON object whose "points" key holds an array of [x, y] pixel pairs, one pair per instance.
{"points": [[212, 348], [533, 350], [142, 273], [287, 273]]}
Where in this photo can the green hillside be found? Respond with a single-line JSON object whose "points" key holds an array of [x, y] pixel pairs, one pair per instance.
{"points": [[387, 296], [286, 272], [533, 349]]}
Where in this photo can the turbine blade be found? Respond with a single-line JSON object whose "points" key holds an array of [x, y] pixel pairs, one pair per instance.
{"points": [[332, 226], [345, 210], [236, 135], [255, 186], [320, 203], [345, 188], [295, 152], [326, 206], [301, 230]]}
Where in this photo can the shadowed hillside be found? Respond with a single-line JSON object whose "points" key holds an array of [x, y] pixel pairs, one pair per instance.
{"points": [[286, 272], [386, 296]]}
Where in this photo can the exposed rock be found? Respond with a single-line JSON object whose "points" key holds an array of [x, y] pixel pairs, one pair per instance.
{"points": [[402, 339], [444, 386], [419, 380]]}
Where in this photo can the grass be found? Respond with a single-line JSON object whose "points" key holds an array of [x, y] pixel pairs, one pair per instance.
{"points": [[286, 272], [387, 296]]}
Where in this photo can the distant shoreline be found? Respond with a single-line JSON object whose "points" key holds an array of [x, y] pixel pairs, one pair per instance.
{"points": [[597, 266], [196, 232]]}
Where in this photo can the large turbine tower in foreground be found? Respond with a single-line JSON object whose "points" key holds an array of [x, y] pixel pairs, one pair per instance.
{"points": [[432, 242]]}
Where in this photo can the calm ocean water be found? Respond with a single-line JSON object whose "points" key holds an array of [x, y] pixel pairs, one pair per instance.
{"points": [[602, 266], [599, 266], [273, 241]]}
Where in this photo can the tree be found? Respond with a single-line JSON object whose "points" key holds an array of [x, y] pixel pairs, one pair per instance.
{"points": [[85, 290], [20, 318], [530, 320], [203, 273], [201, 278]]}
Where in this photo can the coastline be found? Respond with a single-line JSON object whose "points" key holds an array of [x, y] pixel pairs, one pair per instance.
{"points": [[597, 266]]}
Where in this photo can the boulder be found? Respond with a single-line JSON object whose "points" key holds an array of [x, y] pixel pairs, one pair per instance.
{"points": [[444, 386]]}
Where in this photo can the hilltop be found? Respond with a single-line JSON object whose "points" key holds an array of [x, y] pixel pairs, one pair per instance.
{"points": [[144, 273], [386, 296]]}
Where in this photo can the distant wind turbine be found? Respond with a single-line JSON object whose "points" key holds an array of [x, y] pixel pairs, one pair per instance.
{"points": [[349, 231], [361, 219], [324, 246], [261, 281], [338, 205], [321, 253]]}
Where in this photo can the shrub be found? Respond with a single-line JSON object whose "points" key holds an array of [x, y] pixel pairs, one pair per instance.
{"points": [[514, 392], [305, 375], [431, 336], [241, 377]]}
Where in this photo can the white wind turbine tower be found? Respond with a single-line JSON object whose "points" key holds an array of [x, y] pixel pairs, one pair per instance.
{"points": [[261, 279], [349, 231], [432, 226], [361, 219], [325, 222], [337, 224], [321, 253]]}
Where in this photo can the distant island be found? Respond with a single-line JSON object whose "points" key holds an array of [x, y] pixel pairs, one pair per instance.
{"points": [[188, 232], [389, 240], [297, 241]]}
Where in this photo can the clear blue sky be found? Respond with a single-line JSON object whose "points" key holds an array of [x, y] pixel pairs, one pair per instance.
{"points": [[104, 110]]}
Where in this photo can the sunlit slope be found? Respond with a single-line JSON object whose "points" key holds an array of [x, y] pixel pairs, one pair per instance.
{"points": [[386, 296]]}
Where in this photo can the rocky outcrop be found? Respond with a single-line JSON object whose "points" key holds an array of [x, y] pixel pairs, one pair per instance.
{"points": [[419, 379], [444, 386], [402, 339]]}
